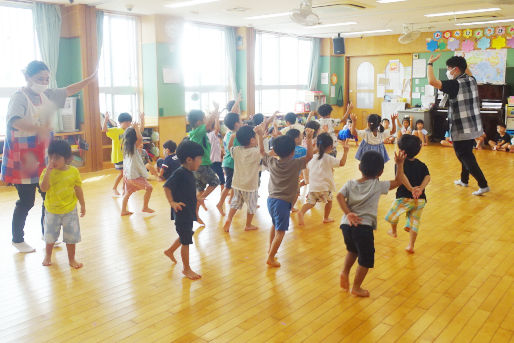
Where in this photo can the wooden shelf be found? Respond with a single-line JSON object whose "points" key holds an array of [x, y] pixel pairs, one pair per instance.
{"points": [[63, 134]]}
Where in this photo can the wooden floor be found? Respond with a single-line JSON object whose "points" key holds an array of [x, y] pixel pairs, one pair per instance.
{"points": [[458, 286]]}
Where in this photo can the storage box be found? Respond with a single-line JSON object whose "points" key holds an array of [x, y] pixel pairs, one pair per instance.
{"points": [[511, 100]]}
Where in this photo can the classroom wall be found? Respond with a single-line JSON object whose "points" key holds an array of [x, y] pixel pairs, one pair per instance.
{"points": [[69, 69], [330, 63]]}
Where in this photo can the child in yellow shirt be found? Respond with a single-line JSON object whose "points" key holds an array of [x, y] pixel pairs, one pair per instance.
{"points": [[62, 185]]}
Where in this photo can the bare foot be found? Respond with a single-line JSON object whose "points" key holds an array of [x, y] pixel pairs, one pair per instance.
{"points": [[191, 274], [47, 261], [407, 229], [115, 192], [345, 283], [226, 227], [201, 201], [300, 218], [328, 220], [170, 255], [251, 228], [409, 249], [126, 213], [220, 208], [75, 264], [359, 292], [148, 210], [294, 210], [392, 233], [273, 263]]}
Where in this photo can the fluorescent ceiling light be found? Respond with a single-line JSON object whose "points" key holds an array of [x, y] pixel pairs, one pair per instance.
{"points": [[364, 32], [189, 3], [388, 1], [331, 25], [463, 12], [486, 22], [273, 15]]}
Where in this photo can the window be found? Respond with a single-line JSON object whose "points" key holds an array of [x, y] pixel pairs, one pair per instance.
{"points": [[205, 66], [118, 72], [281, 71], [365, 85], [19, 47]]}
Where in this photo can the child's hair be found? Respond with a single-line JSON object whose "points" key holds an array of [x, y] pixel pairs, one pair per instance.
{"points": [[372, 164], [124, 117], [290, 118], [420, 121], [258, 119], [230, 120], [293, 133], [502, 125], [406, 119], [59, 147], [230, 104], [323, 142], [170, 145], [410, 144], [383, 120], [245, 134], [325, 110], [188, 149], [283, 146], [194, 116], [314, 125], [129, 141], [374, 123]]}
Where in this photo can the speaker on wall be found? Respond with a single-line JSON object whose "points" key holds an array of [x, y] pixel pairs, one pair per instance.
{"points": [[338, 45]]}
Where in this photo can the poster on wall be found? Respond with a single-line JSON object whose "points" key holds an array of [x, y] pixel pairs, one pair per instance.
{"points": [[419, 68], [324, 78], [487, 66]]}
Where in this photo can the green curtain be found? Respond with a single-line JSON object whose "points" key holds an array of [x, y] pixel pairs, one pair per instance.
{"points": [[47, 21], [230, 39], [314, 67], [99, 32]]}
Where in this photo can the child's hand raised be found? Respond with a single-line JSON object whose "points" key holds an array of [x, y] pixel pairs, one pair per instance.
{"points": [[259, 130], [394, 116], [353, 219], [346, 146], [349, 107], [309, 133], [399, 157], [177, 206], [353, 117]]}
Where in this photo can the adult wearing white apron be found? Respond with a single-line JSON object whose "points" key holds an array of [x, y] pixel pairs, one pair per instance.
{"points": [[29, 117]]}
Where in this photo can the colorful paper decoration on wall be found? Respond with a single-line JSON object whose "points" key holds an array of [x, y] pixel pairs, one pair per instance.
{"points": [[484, 43], [510, 42], [438, 35], [453, 44], [489, 31], [510, 30], [457, 33], [442, 45], [432, 45], [500, 30], [479, 33], [447, 34], [468, 33], [498, 43], [468, 45]]}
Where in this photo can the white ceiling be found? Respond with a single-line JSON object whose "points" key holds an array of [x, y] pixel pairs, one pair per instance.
{"points": [[375, 15]]}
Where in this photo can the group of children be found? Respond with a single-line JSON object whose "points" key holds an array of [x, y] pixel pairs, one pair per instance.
{"points": [[501, 142], [205, 160]]}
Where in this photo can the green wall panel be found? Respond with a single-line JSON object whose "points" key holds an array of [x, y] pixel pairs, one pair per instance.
{"points": [[69, 69], [171, 96], [150, 94], [241, 79]]}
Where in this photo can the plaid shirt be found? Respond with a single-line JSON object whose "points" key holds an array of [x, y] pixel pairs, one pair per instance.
{"points": [[464, 110]]}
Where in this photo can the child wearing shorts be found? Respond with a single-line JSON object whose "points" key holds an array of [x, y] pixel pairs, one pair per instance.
{"points": [[283, 185], [180, 190], [62, 185], [410, 196], [359, 201]]}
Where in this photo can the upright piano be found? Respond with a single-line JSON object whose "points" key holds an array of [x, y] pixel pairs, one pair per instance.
{"points": [[493, 99]]}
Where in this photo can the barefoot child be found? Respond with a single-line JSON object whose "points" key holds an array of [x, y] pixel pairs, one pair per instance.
{"points": [[359, 201], [180, 191], [62, 185], [420, 131], [282, 186], [372, 138], [247, 162], [410, 196], [170, 163], [321, 173], [116, 136], [299, 152], [134, 170]]}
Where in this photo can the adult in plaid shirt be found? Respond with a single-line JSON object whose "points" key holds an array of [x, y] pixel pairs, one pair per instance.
{"points": [[461, 90]]}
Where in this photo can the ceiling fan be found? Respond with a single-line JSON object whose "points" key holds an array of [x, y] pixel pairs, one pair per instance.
{"points": [[409, 35], [304, 14]]}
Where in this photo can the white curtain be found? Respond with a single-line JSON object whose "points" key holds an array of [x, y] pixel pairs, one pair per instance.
{"points": [[99, 32], [47, 21], [230, 38], [314, 67]]}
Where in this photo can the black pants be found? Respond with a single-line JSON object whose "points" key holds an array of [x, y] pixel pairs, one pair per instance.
{"points": [[27, 195], [464, 152]]}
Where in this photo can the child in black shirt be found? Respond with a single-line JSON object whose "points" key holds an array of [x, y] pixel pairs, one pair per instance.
{"points": [[180, 189], [502, 141], [170, 163], [410, 197]]}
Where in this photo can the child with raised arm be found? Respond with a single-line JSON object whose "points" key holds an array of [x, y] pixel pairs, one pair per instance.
{"points": [[321, 176], [410, 196], [247, 161], [390, 133], [282, 186], [134, 170], [359, 201], [372, 138], [63, 188], [180, 191], [216, 149]]}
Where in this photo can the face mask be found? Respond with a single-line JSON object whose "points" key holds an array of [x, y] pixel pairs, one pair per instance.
{"points": [[449, 74], [38, 89]]}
